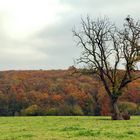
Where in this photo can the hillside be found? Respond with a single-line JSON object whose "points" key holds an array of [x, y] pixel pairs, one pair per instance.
{"points": [[59, 92]]}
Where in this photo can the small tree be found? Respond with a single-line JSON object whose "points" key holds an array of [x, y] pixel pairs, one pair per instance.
{"points": [[105, 49]]}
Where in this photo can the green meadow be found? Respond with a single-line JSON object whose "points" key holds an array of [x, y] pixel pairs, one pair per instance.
{"points": [[68, 127]]}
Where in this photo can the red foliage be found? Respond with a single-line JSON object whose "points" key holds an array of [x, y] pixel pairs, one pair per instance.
{"points": [[58, 87]]}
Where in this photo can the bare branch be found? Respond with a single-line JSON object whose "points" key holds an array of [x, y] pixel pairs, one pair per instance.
{"points": [[104, 49]]}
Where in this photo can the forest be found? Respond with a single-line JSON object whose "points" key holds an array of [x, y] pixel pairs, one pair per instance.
{"points": [[60, 92]]}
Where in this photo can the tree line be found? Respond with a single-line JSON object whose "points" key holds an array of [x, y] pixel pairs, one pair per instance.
{"points": [[60, 92]]}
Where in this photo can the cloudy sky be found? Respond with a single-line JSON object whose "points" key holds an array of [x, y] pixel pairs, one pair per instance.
{"points": [[37, 34]]}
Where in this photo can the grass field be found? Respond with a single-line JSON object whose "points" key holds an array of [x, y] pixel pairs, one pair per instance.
{"points": [[73, 128]]}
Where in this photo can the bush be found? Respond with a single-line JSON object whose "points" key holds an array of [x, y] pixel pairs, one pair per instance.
{"points": [[65, 110], [33, 110], [129, 107], [138, 109], [88, 108], [51, 111], [77, 111], [69, 110]]}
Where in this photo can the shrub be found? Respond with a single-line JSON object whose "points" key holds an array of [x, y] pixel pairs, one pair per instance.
{"points": [[33, 110], [51, 111], [77, 111], [70, 110], [65, 110], [138, 109], [129, 107]]}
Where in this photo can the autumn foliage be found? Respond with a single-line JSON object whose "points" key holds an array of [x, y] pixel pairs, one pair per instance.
{"points": [[59, 92]]}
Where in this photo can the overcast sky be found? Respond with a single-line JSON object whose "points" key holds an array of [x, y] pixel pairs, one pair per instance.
{"points": [[37, 34]]}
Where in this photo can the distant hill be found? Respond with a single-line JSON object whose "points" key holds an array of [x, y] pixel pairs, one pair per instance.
{"points": [[59, 92]]}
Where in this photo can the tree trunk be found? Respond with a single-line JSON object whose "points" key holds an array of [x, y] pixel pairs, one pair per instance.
{"points": [[116, 115]]}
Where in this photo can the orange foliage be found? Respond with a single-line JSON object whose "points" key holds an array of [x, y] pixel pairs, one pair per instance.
{"points": [[49, 89]]}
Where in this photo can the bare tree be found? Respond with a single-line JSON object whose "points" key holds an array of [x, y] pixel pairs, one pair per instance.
{"points": [[106, 49]]}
